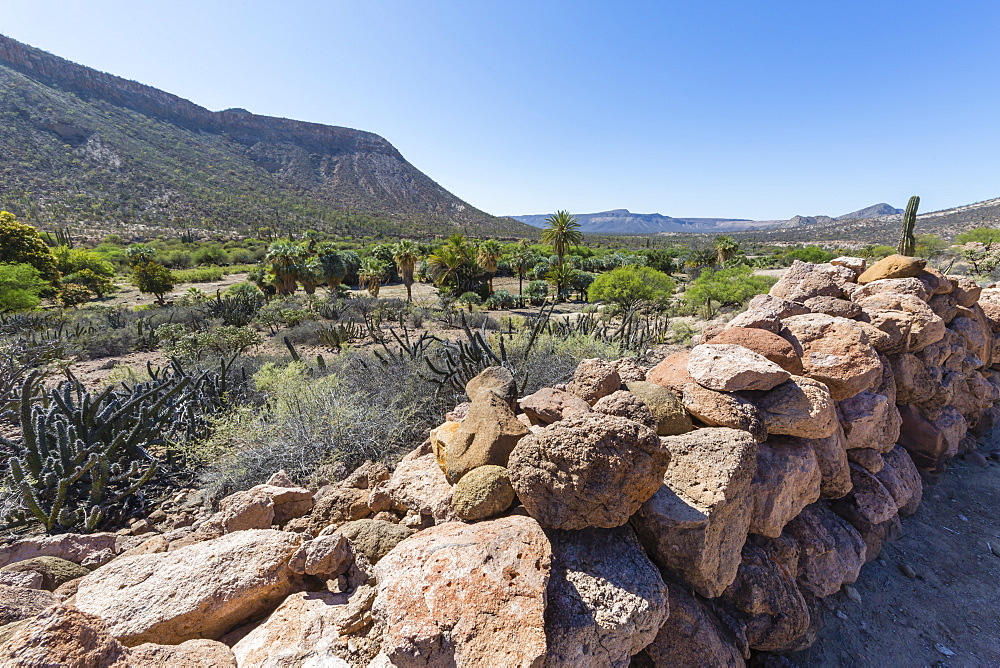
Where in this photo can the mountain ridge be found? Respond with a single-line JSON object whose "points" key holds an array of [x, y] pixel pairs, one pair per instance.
{"points": [[316, 175]]}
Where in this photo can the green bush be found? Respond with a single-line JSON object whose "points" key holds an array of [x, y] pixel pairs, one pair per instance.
{"points": [[20, 287], [501, 299], [226, 341], [199, 275], [983, 235], [470, 299], [537, 291], [73, 260], [99, 284], [726, 287], [22, 244], [72, 294], [813, 254], [212, 254], [152, 278], [628, 287]]}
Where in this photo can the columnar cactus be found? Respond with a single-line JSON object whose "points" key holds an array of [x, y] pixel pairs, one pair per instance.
{"points": [[907, 242]]}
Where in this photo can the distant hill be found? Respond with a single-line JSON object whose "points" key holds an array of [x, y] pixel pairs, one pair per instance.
{"points": [[82, 147], [623, 221]]}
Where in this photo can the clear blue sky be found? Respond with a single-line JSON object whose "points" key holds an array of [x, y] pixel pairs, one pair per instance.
{"points": [[699, 108]]}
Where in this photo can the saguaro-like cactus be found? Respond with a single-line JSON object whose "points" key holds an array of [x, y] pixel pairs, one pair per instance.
{"points": [[907, 242]]}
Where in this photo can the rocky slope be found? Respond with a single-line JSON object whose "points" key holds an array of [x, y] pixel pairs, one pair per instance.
{"points": [[83, 146], [699, 512]]}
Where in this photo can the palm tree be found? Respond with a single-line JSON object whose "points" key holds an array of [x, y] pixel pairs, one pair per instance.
{"points": [[406, 254], [562, 231], [490, 252], [371, 274], [283, 258], [725, 247], [446, 266], [522, 259], [309, 272], [332, 266]]}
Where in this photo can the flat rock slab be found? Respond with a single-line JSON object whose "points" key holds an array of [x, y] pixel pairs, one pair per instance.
{"points": [[728, 367]]}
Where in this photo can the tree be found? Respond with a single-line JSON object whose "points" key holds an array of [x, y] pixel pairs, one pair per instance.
{"points": [[725, 248], [453, 265], [332, 266], [630, 286], [372, 274], [152, 278], [406, 254], [20, 285], [22, 244], [983, 235], [73, 294], [562, 276], [929, 245], [522, 259], [726, 287], [139, 254], [98, 284], [72, 260], [309, 272], [283, 259], [490, 252], [561, 231]]}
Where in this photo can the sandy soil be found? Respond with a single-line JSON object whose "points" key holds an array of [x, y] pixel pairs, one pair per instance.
{"points": [[949, 614]]}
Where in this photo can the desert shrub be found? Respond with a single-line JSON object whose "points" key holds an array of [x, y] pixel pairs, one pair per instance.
{"points": [[226, 341], [470, 299], [726, 287], [73, 294], [153, 278], [537, 291], [176, 259], [22, 244], [813, 254], [681, 331], [307, 333], [630, 286], [99, 284], [500, 299], [983, 235], [199, 275], [20, 287], [552, 359], [211, 254], [244, 288]]}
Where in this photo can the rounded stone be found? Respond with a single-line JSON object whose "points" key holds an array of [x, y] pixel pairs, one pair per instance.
{"points": [[482, 492]]}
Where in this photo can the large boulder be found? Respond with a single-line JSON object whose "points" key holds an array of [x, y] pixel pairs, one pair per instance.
{"points": [[901, 478], [672, 372], [804, 280], [831, 455], [199, 591], [64, 636], [798, 407], [593, 379], [893, 266], [482, 492], [762, 342], [831, 551], [908, 321], [921, 438], [627, 405], [835, 352], [549, 405], [418, 486], [724, 409], [17, 603], [664, 405], [53, 570], [497, 380], [787, 480], [765, 593], [589, 470], [869, 421], [698, 520], [727, 367], [189, 654], [869, 501], [311, 629], [73, 547], [486, 436], [466, 594], [606, 600], [693, 635]]}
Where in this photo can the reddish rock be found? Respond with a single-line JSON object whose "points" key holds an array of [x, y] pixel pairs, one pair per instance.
{"points": [[593, 379], [189, 654], [965, 290], [548, 405], [803, 280], [893, 266], [466, 594], [835, 352], [798, 407], [762, 342], [672, 372], [693, 635], [831, 551], [627, 405], [64, 636], [840, 308], [921, 438], [486, 436], [787, 480], [727, 367], [418, 486], [723, 409], [831, 455]]}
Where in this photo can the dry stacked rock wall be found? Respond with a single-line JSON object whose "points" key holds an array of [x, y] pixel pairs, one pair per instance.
{"points": [[689, 514]]}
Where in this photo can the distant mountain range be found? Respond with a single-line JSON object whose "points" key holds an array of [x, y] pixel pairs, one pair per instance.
{"points": [[623, 221], [82, 147]]}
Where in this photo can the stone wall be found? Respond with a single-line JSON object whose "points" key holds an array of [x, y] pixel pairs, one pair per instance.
{"points": [[692, 513]]}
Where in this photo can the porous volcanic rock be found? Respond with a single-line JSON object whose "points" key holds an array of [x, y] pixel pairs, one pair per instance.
{"points": [[869, 500], [672, 372], [869, 421], [73, 547], [18, 603], [189, 654], [762, 342], [326, 555], [901, 478], [486, 436], [374, 538], [671, 418], [549, 405], [899, 286], [496, 379], [908, 321], [64, 636], [466, 594], [840, 308], [724, 409], [589, 470], [831, 551], [593, 379], [855, 264], [727, 367], [418, 486], [798, 407], [482, 492], [835, 352], [787, 480], [199, 591], [698, 520], [893, 266], [965, 290], [868, 458], [693, 635], [627, 405], [606, 599], [54, 571], [803, 280]]}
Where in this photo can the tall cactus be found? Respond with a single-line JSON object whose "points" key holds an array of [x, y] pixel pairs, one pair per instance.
{"points": [[907, 242]]}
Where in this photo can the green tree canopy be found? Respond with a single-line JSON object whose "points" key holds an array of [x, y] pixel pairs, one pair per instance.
{"points": [[22, 244], [20, 285], [726, 287], [630, 286], [561, 231], [983, 235], [152, 278]]}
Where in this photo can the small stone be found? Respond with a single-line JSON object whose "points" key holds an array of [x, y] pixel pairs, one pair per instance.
{"points": [[548, 405], [906, 570], [593, 379], [482, 492], [667, 409], [852, 593]]}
